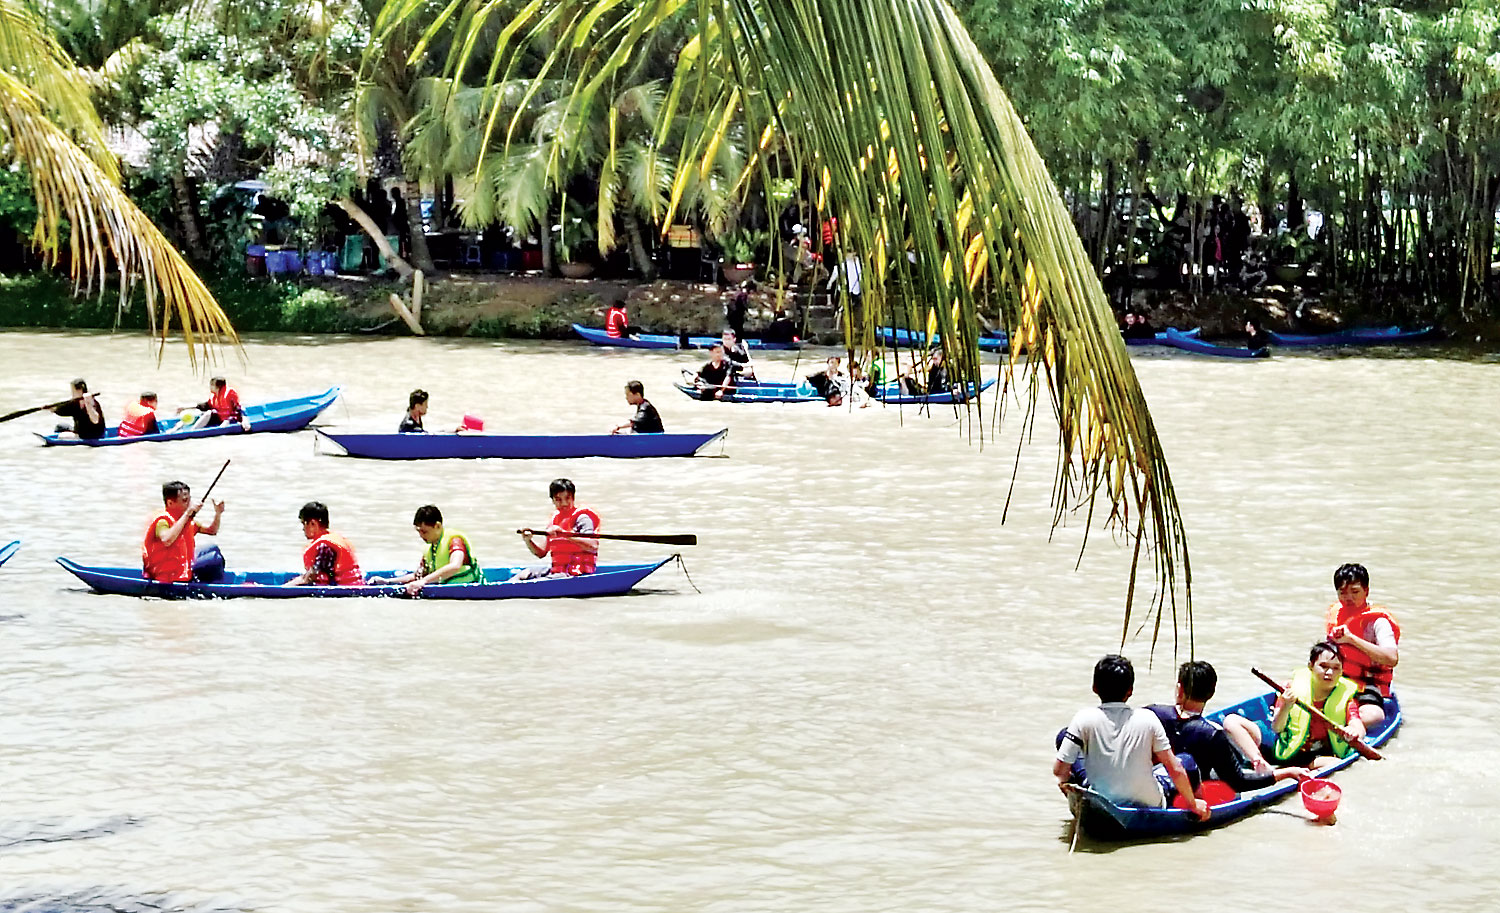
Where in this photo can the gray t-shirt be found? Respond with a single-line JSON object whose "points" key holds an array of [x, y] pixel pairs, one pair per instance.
{"points": [[1117, 744]]}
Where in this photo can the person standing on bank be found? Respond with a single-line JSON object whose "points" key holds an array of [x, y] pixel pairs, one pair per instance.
{"points": [[646, 419]]}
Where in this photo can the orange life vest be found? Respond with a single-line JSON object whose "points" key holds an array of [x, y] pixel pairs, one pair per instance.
{"points": [[346, 570], [226, 403], [134, 422], [167, 563], [615, 323], [1357, 663], [569, 557]]}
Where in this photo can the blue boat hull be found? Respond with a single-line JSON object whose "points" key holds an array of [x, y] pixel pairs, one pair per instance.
{"points": [[283, 415], [8, 549], [608, 580], [658, 341], [895, 336], [787, 393], [520, 446], [1160, 339], [1104, 820], [1377, 336], [1200, 347]]}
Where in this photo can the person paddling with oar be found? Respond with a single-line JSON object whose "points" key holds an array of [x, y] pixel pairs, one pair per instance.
{"points": [[169, 553], [1299, 738], [84, 409], [571, 544]]}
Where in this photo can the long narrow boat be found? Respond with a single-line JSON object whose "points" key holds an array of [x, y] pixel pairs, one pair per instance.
{"points": [[1372, 336], [1202, 347], [1103, 819], [890, 394], [608, 580], [895, 336], [282, 415], [520, 446], [8, 549], [661, 341], [1160, 337]]}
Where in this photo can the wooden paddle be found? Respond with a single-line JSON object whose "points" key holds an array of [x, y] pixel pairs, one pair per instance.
{"points": [[1358, 745], [20, 412], [685, 539], [211, 485]]}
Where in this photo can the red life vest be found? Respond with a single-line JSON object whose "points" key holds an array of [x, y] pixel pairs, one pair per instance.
{"points": [[615, 323], [226, 403], [1357, 663], [345, 567], [167, 563], [134, 422], [569, 557], [830, 230]]}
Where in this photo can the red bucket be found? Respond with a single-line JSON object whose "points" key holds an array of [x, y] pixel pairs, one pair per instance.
{"points": [[1320, 797], [472, 423]]}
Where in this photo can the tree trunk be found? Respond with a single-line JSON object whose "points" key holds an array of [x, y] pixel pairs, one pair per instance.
{"points": [[185, 201], [544, 231], [402, 268], [411, 195], [638, 253]]}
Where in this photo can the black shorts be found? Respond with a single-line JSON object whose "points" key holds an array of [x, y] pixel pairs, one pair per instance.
{"points": [[1370, 696]]}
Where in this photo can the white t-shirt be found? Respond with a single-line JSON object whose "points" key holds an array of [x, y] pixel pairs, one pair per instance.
{"points": [[1117, 745]]}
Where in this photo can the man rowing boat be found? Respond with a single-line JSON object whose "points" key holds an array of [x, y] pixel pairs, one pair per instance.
{"points": [[83, 408], [329, 560], [573, 549], [448, 558], [169, 553]]}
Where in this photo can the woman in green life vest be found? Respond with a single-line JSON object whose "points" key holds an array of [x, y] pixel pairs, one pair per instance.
{"points": [[448, 558], [1301, 738]]}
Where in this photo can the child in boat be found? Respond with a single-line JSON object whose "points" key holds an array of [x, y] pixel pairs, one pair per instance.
{"points": [[1202, 745], [1295, 737], [1118, 745], [448, 558], [1367, 637], [416, 407]]}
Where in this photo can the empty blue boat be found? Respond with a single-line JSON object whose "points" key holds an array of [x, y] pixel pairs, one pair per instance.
{"points": [[1373, 336], [282, 415], [1202, 347], [8, 549], [520, 446], [1103, 819], [608, 580], [660, 341]]}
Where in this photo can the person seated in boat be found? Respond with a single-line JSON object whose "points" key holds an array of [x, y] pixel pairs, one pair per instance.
{"points": [[448, 558], [1255, 337], [780, 330], [646, 419], [1295, 737], [329, 560], [937, 373], [1368, 638], [831, 383], [861, 388], [222, 406], [169, 551], [1137, 326], [83, 408], [140, 417], [738, 354], [616, 320], [571, 547], [716, 378], [1202, 745], [416, 407], [1126, 755]]}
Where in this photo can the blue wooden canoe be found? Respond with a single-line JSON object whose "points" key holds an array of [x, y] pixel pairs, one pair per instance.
{"points": [[659, 341], [608, 580], [8, 549], [282, 415], [895, 336], [1160, 338], [1103, 819], [788, 393], [1202, 347], [1372, 336], [520, 446]]}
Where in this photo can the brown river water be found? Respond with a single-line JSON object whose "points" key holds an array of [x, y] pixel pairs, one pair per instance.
{"points": [[854, 714]]}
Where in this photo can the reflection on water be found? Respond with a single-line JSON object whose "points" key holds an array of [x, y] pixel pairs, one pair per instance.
{"points": [[855, 713]]}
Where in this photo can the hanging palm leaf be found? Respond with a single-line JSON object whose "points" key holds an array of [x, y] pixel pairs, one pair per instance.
{"points": [[914, 147]]}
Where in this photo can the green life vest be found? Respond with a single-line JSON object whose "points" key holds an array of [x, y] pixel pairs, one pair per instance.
{"points": [[437, 557], [1299, 721]]}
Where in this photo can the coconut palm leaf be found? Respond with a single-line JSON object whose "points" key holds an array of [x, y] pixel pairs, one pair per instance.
{"points": [[913, 145], [106, 229]]}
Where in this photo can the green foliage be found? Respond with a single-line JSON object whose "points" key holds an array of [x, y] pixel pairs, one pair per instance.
{"points": [[17, 205], [742, 245]]}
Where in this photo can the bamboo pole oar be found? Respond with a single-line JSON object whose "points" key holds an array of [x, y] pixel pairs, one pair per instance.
{"points": [[1357, 744]]}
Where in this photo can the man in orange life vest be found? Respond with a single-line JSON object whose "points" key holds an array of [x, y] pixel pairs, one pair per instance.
{"points": [[570, 545], [170, 545], [222, 406], [1367, 637], [330, 560], [140, 418]]}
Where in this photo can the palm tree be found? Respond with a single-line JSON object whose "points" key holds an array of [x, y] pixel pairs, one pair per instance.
{"points": [[49, 127], [911, 142]]}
